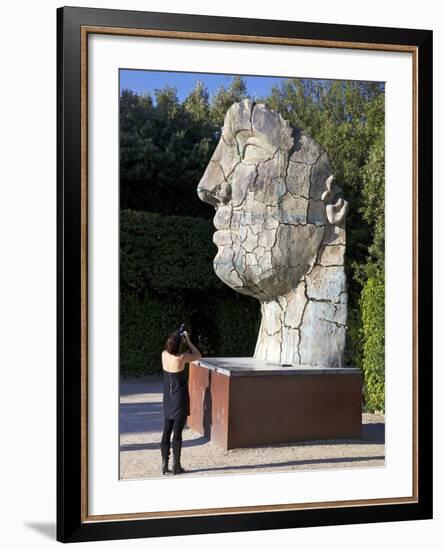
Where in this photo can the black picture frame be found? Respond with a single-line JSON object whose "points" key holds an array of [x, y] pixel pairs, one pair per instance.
{"points": [[73, 523]]}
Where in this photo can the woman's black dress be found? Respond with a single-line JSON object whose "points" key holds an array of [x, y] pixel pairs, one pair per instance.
{"points": [[176, 400]]}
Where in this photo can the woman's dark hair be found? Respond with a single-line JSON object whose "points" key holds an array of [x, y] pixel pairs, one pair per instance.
{"points": [[173, 342]]}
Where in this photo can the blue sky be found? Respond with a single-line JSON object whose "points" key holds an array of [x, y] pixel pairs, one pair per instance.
{"points": [[145, 82]]}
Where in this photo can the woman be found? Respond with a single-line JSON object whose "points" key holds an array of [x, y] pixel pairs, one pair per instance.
{"points": [[176, 401]]}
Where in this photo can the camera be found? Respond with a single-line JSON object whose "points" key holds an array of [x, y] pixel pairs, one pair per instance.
{"points": [[181, 330]]}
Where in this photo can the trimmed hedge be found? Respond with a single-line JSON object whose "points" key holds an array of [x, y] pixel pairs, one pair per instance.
{"points": [[220, 325], [237, 322], [166, 252], [373, 325], [144, 325], [167, 276]]}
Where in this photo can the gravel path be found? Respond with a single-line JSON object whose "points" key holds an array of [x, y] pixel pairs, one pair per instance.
{"points": [[141, 420]]}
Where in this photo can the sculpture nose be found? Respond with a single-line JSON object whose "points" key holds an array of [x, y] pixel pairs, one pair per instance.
{"points": [[214, 194], [217, 195], [207, 195], [213, 188]]}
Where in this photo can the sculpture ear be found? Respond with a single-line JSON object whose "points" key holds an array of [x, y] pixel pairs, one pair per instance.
{"points": [[328, 193], [335, 212]]}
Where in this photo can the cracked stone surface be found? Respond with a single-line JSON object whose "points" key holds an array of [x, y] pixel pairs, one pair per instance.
{"points": [[280, 233]]}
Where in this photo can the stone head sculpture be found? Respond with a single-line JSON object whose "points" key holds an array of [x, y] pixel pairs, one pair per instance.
{"points": [[280, 233]]}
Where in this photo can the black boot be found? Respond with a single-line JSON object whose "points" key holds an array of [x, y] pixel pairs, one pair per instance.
{"points": [[177, 447], [165, 451]]}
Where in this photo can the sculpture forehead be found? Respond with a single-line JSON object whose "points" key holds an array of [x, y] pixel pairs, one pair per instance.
{"points": [[247, 119], [261, 155]]}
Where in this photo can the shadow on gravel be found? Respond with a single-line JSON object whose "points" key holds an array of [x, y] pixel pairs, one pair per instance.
{"points": [[372, 434], [155, 446], [134, 386], [338, 460], [141, 417], [148, 417]]}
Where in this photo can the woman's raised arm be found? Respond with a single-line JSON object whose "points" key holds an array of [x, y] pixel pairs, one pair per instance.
{"points": [[195, 353]]}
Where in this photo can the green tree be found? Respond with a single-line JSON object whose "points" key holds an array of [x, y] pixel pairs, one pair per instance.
{"points": [[374, 188], [197, 103], [225, 97], [164, 148]]}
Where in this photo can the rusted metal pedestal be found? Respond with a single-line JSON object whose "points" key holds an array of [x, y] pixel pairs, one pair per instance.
{"points": [[244, 402]]}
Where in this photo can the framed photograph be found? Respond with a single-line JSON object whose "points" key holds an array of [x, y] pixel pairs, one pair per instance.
{"points": [[244, 274]]}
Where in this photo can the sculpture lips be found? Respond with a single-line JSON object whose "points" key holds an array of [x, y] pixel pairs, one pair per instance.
{"points": [[222, 237], [222, 218], [222, 223]]}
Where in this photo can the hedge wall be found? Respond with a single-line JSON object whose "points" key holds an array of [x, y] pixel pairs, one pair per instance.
{"points": [[161, 253], [166, 276], [373, 362]]}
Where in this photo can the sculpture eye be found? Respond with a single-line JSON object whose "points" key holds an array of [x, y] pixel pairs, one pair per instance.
{"points": [[253, 151]]}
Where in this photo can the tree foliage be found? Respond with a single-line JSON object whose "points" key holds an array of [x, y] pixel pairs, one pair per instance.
{"points": [[163, 146], [225, 97]]}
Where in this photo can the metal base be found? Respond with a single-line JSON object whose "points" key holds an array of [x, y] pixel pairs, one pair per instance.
{"points": [[245, 402]]}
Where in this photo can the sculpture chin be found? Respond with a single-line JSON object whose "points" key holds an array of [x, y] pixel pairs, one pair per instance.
{"points": [[224, 267], [263, 286], [265, 273], [223, 264]]}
